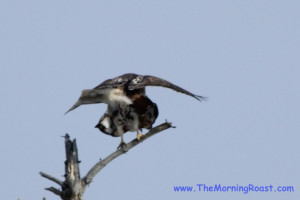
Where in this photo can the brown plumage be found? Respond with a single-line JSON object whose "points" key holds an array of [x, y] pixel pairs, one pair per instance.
{"points": [[129, 109]]}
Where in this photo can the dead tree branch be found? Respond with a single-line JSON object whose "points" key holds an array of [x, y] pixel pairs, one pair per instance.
{"points": [[54, 190], [73, 187], [102, 163], [51, 178]]}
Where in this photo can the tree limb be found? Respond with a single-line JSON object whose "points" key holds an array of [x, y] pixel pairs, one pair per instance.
{"points": [[54, 190], [73, 187], [51, 178], [102, 163], [72, 173]]}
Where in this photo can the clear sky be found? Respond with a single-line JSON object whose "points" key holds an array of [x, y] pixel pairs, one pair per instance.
{"points": [[242, 55]]}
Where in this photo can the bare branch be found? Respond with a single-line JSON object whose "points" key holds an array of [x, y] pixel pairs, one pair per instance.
{"points": [[72, 162], [51, 178], [55, 191], [102, 163], [73, 187]]}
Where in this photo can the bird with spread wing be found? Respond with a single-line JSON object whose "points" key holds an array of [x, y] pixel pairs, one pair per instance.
{"points": [[128, 107]]}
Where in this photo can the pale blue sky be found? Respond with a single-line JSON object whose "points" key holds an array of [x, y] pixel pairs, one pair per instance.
{"points": [[243, 55]]}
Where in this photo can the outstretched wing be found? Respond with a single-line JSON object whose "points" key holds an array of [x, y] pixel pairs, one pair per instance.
{"points": [[117, 82], [133, 81], [143, 81]]}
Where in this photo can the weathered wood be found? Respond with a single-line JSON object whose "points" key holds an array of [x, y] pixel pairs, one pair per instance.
{"points": [[74, 186], [51, 178], [102, 163], [54, 190], [73, 189]]}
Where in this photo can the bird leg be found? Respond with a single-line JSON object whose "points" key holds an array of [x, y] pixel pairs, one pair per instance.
{"points": [[139, 135], [122, 143]]}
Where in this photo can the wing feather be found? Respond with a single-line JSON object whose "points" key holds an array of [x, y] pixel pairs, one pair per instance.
{"points": [[116, 82], [143, 81], [130, 80]]}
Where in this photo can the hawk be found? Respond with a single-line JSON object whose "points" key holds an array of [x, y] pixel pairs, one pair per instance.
{"points": [[128, 107]]}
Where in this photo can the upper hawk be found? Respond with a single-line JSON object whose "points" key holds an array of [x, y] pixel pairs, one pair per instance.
{"points": [[129, 108]]}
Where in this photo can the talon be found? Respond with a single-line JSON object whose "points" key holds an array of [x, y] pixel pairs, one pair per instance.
{"points": [[122, 145], [139, 136]]}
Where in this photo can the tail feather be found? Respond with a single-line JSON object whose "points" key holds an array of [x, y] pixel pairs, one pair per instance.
{"points": [[76, 105], [88, 97]]}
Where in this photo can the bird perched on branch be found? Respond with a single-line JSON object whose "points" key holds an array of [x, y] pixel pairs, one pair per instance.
{"points": [[128, 107]]}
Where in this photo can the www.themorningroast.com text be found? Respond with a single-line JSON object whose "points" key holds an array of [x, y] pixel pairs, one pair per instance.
{"points": [[245, 189]]}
